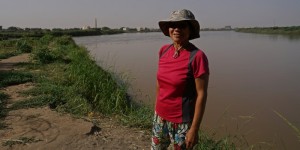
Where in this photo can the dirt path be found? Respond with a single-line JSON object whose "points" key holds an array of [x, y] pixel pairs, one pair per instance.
{"points": [[8, 64], [43, 128]]}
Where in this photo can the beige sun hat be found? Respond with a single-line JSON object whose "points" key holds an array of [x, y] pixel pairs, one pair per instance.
{"points": [[181, 15]]}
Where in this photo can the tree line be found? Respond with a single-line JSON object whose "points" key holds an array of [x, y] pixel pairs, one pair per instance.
{"points": [[17, 32], [292, 30]]}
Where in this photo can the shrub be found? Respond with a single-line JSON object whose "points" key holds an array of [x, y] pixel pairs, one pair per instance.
{"points": [[43, 55], [23, 47]]}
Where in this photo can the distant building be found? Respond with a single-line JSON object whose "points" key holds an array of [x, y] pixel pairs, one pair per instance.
{"points": [[0, 27], [86, 28], [227, 28], [140, 29], [125, 29]]}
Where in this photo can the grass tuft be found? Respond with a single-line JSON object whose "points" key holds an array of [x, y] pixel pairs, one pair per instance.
{"points": [[206, 142], [14, 77], [21, 140], [139, 117], [3, 110]]}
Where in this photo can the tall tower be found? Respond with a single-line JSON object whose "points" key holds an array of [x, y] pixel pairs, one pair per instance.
{"points": [[95, 23]]}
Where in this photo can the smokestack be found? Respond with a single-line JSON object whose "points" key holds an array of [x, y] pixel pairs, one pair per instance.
{"points": [[95, 23]]}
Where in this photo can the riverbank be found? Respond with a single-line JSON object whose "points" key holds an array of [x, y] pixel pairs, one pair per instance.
{"points": [[64, 81], [292, 31]]}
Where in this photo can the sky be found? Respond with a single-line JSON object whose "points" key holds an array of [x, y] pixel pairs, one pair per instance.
{"points": [[146, 13]]}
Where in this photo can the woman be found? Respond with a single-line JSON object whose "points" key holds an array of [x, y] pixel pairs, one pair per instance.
{"points": [[182, 80]]}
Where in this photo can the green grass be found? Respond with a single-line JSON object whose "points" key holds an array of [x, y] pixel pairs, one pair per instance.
{"points": [[70, 81], [3, 110], [14, 77], [7, 55], [138, 116], [9, 48], [207, 143]]}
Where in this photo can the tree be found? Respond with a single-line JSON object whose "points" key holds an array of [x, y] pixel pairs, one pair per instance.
{"points": [[105, 28], [12, 28]]}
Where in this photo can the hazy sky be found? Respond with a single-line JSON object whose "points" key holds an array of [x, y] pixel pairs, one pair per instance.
{"points": [[146, 13]]}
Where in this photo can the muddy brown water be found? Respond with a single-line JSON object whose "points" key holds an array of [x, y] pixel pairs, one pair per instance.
{"points": [[252, 76]]}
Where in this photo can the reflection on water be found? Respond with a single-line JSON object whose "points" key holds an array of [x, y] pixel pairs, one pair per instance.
{"points": [[252, 75], [288, 37]]}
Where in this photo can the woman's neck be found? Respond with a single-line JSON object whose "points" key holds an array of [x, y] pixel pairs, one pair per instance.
{"points": [[179, 45]]}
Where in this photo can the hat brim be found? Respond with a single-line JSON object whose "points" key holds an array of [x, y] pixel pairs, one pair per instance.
{"points": [[164, 26]]}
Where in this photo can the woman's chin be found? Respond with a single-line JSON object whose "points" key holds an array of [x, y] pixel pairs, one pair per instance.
{"points": [[177, 39]]}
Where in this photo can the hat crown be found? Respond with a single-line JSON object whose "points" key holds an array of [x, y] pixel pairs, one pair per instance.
{"points": [[182, 15]]}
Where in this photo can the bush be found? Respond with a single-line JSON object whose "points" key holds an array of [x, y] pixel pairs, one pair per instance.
{"points": [[23, 46], [46, 39], [43, 55], [51, 49]]}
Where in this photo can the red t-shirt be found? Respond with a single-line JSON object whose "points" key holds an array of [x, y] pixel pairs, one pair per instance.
{"points": [[176, 78]]}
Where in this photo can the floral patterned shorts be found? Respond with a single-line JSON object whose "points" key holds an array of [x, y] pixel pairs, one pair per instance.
{"points": [[164, 133]]}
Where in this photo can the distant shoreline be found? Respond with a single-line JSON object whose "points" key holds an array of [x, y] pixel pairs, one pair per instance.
{"points": [[15, 32], [293, 30]]}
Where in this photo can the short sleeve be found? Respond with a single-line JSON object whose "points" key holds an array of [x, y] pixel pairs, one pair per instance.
{"points": [[200, 64], [162, 49]]}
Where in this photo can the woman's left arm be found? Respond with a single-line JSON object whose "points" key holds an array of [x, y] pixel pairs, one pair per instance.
{"points": [[201, 88]]}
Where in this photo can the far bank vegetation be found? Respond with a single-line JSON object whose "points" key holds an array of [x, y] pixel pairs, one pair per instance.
{"points": [[292, 30]]}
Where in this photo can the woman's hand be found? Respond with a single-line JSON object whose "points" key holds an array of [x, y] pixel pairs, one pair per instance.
{"points": [[191, 139]]}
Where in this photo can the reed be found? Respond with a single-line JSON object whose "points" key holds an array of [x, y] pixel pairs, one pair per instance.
{"points": [[291, 125], [206, 142]]}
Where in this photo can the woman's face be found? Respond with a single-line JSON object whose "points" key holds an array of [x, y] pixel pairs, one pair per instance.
{"points": [[179, 32]]}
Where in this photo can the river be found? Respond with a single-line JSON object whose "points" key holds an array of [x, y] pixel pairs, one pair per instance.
{"points": [[254, 81]]}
